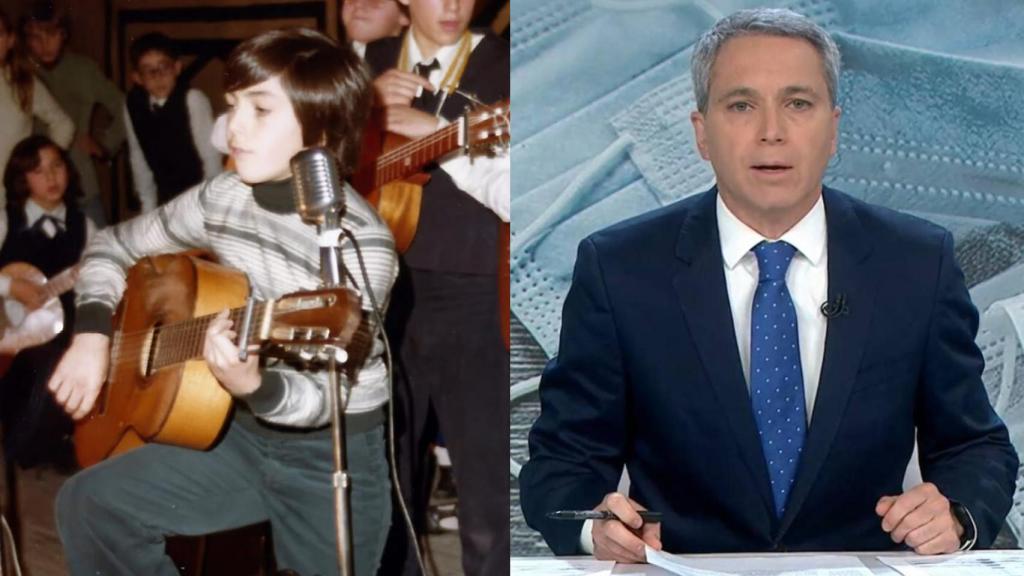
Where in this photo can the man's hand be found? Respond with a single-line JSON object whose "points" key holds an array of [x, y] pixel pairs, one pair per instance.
{"points": [[623, 540], [28, 293], [80, 374], [922, 519], [409, 122], [397, 88], [221, 355]]}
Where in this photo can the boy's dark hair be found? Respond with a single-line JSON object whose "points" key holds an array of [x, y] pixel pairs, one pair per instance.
{"points": [[328, 84], [152, 42], [47, 12], [24, 159]]}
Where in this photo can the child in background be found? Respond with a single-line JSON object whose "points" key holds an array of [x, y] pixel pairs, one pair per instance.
{"points": [[43, 226], [22, 97], [79, 86], [168, 125], [454, 367], [368, 20]]}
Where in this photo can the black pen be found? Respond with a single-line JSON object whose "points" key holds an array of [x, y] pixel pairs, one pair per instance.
{"points": [[645, 515]]}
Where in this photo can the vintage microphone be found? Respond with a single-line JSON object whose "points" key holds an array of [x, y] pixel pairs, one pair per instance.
{"points": [[320, 200]]}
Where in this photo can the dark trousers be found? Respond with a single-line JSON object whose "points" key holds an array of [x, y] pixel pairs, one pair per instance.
{"points": [[452, 376], [36, 430], [113, 517]]}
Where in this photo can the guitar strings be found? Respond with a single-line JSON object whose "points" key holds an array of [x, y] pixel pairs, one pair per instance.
{"points": [[443, 134], [390, 168], [174, 342]]}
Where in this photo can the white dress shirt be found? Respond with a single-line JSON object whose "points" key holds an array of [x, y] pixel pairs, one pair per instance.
{"points": [[806, 279]]}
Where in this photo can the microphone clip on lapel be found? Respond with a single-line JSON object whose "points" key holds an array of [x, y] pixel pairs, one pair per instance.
{"points": [[836, 307]]}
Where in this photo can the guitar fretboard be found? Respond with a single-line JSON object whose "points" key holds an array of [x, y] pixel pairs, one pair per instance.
{"points": [[60, 283], [177, 342], [409, 158]]}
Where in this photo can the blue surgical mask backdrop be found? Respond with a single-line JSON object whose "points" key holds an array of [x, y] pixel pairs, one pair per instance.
{"points": [[932, 94]]}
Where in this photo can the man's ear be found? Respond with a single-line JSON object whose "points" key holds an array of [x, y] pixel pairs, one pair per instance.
{"points": [[836, 113], [177, 68], [137, 78], [697, 119]]}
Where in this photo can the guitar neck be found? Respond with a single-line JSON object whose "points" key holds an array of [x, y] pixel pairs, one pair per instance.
{"points": [[60, 283], [181, 341], [407, 159]]}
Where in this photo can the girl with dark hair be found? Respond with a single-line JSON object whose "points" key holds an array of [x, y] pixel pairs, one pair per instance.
{"points": [[23, 96], [42, 226], [286, 90]]}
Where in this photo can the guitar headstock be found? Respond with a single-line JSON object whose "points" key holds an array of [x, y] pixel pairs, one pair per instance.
{"points": [[302, 322], [488, 126]]}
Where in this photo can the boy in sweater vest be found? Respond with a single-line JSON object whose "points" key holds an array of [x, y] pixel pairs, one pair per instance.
{"points": [[168, 124]]}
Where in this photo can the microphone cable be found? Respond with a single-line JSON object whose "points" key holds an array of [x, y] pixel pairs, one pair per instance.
{"points": [[379, 316]]}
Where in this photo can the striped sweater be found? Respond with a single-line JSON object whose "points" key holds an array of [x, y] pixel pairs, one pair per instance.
{"points": [[261, 235]]}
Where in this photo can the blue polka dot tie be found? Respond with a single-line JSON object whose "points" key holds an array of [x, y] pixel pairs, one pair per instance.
{"points": [[776, 379]]}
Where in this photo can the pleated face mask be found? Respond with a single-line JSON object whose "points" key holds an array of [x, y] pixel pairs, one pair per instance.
{"points": [[605, 134]]}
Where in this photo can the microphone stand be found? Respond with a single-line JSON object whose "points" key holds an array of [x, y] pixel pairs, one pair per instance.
{"points": [[329, 233], [319, 198]]}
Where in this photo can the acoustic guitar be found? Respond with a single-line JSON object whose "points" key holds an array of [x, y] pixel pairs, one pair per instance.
{"points": [[387, 158], [390, 177], [158, 388], [25, 328]]}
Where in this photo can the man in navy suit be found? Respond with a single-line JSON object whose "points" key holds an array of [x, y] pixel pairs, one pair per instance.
{"points": [[759, 356]]}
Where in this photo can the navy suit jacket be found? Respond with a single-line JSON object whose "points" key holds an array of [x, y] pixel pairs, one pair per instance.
{"points": [[648, 376]]}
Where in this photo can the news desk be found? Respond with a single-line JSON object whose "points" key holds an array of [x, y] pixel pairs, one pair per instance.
{"points": [[869, 560]]}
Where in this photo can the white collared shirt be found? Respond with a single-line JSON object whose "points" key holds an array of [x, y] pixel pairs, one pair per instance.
{"points": [[807, 280], [33, 212]]}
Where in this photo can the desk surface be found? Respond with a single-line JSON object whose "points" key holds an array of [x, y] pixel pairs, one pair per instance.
{"points": [[869, 559]]}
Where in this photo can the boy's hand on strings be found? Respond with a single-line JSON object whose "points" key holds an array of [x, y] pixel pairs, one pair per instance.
{"points": [[221, 355]]}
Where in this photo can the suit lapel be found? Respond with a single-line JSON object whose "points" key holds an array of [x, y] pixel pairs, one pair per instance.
{"points": [[849, 248], [699, 282]]}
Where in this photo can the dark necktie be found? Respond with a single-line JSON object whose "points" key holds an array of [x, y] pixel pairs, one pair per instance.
{"points": [[427, 100], [776, 378]]}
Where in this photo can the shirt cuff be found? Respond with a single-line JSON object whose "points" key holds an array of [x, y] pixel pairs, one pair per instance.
{"points": [[269, 395], [5, 285], [968, 545], [587, 537], [94, 317]]}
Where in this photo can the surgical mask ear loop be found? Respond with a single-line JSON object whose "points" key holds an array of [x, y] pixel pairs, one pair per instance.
{"points": [[575, 192]]}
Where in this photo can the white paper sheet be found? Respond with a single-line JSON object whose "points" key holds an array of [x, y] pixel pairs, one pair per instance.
{"points": [[770, 565], [1008, 563], [560, 567]]}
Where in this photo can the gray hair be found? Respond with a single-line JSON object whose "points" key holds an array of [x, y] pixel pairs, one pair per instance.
{"points": [[766, 22]]}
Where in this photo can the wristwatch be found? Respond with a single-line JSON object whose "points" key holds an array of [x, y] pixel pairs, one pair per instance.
{"points": [[967, 522]]}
